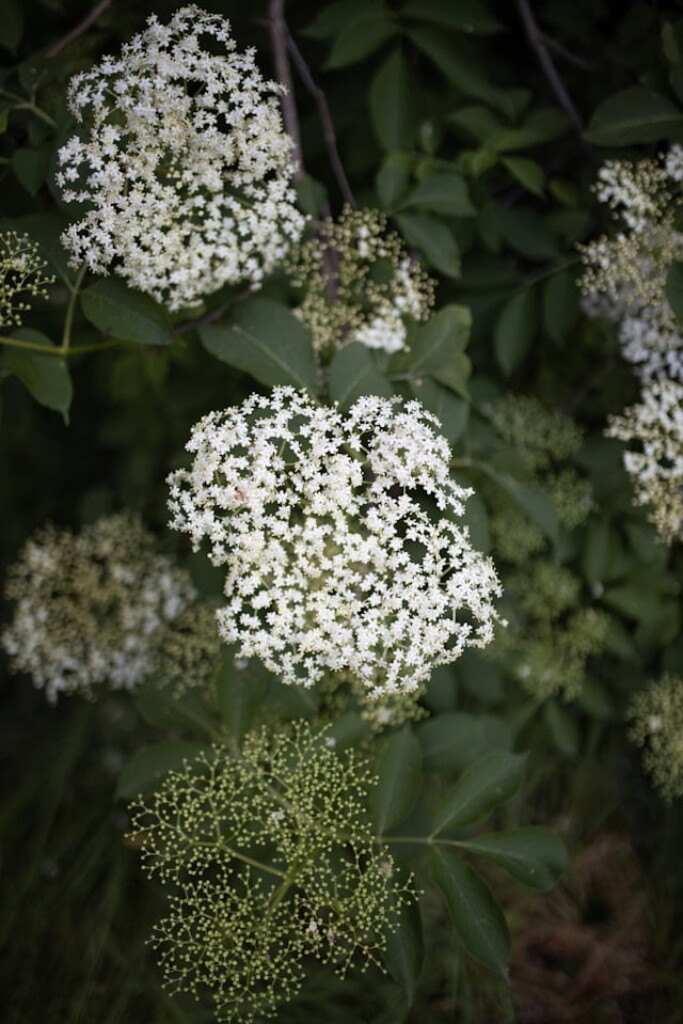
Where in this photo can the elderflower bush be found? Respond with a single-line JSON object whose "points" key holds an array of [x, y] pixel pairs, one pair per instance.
{"points": [[625, 275], [334, 562], [378, 288], [91, 608], [271, 859], [183, 164]]}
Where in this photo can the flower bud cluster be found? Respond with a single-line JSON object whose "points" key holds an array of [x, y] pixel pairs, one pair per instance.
{"points": [[183, 163], [543, 443], [22, 273], [92, 608], [657, 725], [340, 536], [271, 858], [359, 284]]}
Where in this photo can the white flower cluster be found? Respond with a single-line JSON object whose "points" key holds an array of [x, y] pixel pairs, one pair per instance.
{"points": [[340, 537], [655, 424], [359, 284], [91, 607], [185, 166], [626, 280], [625, 277]]}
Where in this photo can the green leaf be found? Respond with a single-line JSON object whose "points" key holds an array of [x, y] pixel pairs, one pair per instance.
{"points": [[404, 953], [392, 179], [476, 917], [30, 167], [267, 342], [434, 239], [515, 330], [468, 16], [145, 769], [239, 695], [452, 741], [451, 410], [442, 193], [562, 728], [448, 53], [399, 774], [163, 710], [674, 288], [353, 373], [123, 313], [330, 20], [311, 196], [632, 116], [526, 233], [527, 172], [12, 24], [561, 309], [46, 377], [361, 36], [491, 781], [393, 93], [534, 856], [436, 349], [532, 499]]}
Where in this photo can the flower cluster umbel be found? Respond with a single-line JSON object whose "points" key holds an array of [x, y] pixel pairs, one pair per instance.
{"points": [[92, 607], [655, 464], [341, 539], [656, 715], [184, 164], [359, 284], [22, 273], [272, 859]]}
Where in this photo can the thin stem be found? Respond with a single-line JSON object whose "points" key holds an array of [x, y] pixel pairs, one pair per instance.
{"points": [[21, 103], [70, 310], [254, 863], [325, 120], [278, 35], [423, 840], [52, 350], [538, 45], [82, 27]]}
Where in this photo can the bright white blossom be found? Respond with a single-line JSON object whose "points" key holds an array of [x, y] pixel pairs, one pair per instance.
{"points": [[183, 162], [89, 608], [654, 431], [625, 276], [341, 539]]}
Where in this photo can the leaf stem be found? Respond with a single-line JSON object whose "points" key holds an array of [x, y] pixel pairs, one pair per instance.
{"points": [[70, 309], [52, 350]]}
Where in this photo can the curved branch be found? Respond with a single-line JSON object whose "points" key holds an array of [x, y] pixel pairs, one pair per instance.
{"points": [[538, 44]]}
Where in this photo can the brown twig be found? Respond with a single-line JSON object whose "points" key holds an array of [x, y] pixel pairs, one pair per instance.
{"points": [[538, 44], [562, 51], [278, 36], [325, 120], [82, 27]]}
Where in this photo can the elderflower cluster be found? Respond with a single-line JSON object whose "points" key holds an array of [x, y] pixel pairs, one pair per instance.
{"points": [[655, 427], [542, 443], [657, 725], [625, 275], [551, 635], [91, 608], [22, 272], [359, 284], [183, 163], [271, 859], [340, 537]]}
